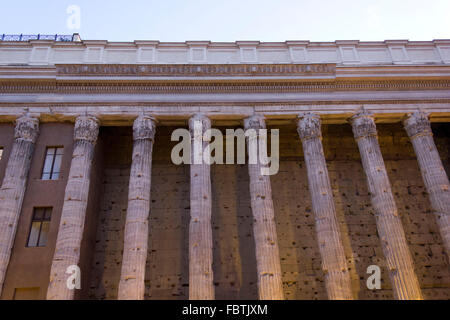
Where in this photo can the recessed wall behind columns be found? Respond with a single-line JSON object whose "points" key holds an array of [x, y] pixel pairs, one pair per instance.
{"points": [[422, 233], [107, 250], [91, 220], [167, 260], [234, 264], [234, 261], [30, 267], [167, 270], [299, 252], [300, 258], [441, 133]]}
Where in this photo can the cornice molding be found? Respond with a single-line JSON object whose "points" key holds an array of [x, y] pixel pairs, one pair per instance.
{"points": [[25, 86], [404, 105]]}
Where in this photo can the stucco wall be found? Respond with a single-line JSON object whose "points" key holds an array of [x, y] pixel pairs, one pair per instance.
{"points": [[30, 267]]}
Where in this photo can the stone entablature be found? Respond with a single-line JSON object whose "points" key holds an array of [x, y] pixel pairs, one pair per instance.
{"points": [[226, 81], [344, 52]]}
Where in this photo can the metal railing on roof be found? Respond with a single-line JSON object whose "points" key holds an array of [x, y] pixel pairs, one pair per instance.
{"points": [[55, 37]]}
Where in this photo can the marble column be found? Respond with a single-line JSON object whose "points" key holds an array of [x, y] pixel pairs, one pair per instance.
{"points": [[334, 264], [131, 285], [436, 181], [70, 233], [201, 286], [270, 285], [393, 241], [13, 187]]}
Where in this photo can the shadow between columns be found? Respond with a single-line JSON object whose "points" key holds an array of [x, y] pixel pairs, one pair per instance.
{"points": [[234, 253]]}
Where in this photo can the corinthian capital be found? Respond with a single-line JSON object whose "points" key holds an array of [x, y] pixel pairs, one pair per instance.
{"points": [[363, 124], [199, 119], [309, 126], [255, 122], [86, 128], [417, 124], [27, 128], [144, 127]]}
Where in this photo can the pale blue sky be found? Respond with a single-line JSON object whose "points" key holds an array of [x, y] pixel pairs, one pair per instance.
{"points": [[219, 20]]}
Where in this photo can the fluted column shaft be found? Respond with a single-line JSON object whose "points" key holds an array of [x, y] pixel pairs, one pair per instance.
{"points": [[434, 176], [334, 264], [390, 229], [201, 286], [270, 285], [132, 285], [13, 187], [70, 233]]}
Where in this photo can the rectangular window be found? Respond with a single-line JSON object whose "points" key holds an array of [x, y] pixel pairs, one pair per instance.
{"points": [[26, 294], [40, 226], [52, 164], [1, 153]]}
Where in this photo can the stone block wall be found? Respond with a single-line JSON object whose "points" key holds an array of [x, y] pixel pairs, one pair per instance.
{"points": [[234, 264], [234, 258], [106, 262], [167, 271]]}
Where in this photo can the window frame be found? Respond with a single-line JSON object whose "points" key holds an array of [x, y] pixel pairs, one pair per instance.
{"points": [[41, 221], [29, 289], [51, 173]]}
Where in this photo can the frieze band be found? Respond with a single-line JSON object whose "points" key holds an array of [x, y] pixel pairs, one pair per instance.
{"points": [[210, 69]]}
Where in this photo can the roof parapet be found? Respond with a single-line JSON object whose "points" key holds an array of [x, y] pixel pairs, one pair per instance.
{"points": [[27, 37]]}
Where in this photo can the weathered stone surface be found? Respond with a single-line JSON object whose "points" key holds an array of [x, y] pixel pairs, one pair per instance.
{"points": [[234, 266], [132, 286], [13, 187], [201, 286], [67, 251], [434, 176], [278, 80], [270, 284], [334, 263], [303, 53], [390, 229]]}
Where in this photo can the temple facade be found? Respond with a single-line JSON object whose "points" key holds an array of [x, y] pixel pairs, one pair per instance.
{"points": [[92, 205]]}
